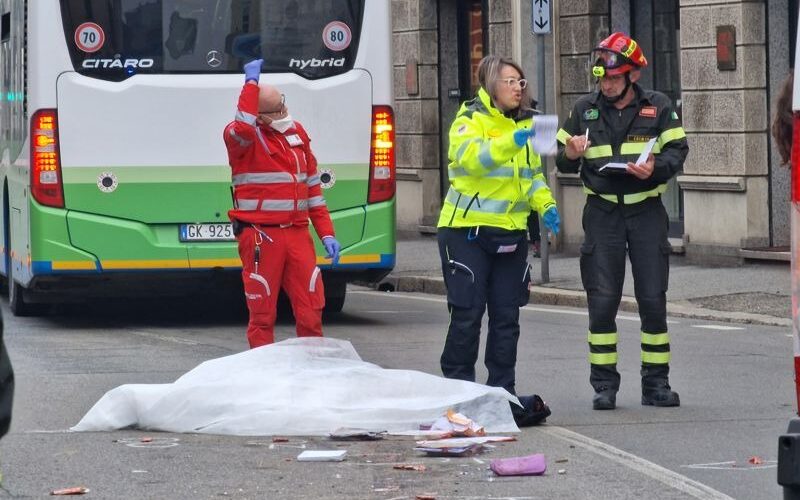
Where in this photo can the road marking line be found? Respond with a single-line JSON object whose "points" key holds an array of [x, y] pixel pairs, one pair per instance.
{"points": [[524, 308], [718, 327], [732, 465], [654, 471], [164, 338]]}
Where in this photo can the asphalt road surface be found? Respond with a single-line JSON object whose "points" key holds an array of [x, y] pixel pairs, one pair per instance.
{"points": [[735, 383]]}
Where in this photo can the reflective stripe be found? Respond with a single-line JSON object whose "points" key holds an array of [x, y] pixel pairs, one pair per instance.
{"points": [[537, 185], [635, 148], [312, 285], [609, 358], [671, 134], [602, 338], [244, 117], [316, 201], [504, 172], [263, 281], [598, 152], [464, 146], [485, 155], [313, 181], [563, 136], [263, 178], [484, 205], [302, 205], [277, 205], [630, 199], [241, 140], [655, 358], [247, 204], [655, 338]]}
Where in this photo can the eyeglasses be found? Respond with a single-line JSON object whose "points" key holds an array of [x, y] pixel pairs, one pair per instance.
{"points": [[513, 82], [278, 111]]}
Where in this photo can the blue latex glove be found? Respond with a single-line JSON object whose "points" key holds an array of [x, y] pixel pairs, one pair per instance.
{"points": [[332, 247], [522, 135], [551, 219], [252, 70]]}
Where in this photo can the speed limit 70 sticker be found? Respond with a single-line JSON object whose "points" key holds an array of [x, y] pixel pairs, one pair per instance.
{"points": [[89, 37], [336, 36]]}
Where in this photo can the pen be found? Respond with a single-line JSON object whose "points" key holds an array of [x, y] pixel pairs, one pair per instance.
{"points": [[585, 138]]}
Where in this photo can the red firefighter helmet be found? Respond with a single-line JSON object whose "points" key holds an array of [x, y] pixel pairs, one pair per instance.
{"points": [[616, 55]]}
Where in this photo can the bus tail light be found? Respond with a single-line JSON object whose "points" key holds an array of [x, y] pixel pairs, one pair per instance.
{"points": [[46, 185], [382, 157]]}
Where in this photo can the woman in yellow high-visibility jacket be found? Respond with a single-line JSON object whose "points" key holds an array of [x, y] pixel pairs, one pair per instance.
{"points": [[495, 181]]}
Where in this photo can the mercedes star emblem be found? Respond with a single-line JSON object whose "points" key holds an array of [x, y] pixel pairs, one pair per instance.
{"points": [[213, 58]]}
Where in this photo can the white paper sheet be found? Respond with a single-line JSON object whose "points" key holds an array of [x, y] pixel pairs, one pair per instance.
{"points": [[646, 151], [620, 166], [545, 128], [302, 387]]}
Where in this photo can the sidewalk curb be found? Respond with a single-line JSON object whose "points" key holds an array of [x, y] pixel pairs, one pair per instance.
{"points": [[542, 295]]}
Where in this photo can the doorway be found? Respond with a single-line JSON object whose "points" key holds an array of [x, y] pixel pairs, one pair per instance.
{"points": [[460, 52]]}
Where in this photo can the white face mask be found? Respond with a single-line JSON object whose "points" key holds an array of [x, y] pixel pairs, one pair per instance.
{"points": [[283, 124]]}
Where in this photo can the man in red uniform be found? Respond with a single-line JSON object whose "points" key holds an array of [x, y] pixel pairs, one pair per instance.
{"points": [[276, 191]]}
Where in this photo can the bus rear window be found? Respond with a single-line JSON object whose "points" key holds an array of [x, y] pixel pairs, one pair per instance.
{"points": [[115, 39]]}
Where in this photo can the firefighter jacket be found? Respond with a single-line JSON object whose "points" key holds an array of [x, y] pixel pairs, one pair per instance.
{"points": [[493, 182], [274, 175], [651, 116]]}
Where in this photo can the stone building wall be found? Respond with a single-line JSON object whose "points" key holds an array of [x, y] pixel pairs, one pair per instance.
{"points": [[725, 115]]}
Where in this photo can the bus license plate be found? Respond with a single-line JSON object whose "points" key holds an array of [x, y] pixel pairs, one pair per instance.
{"points": [[207, 232]]}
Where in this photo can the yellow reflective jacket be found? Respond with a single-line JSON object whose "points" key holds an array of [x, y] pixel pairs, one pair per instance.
{"points": [[493, 182]]}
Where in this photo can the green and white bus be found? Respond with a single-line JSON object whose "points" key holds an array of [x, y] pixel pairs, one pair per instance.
{"points": [[114, 174]]}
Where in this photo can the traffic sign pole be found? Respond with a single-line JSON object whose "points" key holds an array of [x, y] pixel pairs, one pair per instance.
{"points": [[541, 26]]}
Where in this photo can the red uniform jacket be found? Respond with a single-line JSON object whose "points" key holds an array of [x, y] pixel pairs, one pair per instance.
{"points": [[274, 175]]}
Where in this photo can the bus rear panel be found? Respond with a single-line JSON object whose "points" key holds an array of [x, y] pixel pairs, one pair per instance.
{"points": [[129, 182]]}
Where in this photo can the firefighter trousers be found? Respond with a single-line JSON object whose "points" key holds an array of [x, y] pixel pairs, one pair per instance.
{"points": [[612, 230], [483, 266], [276, 257]]}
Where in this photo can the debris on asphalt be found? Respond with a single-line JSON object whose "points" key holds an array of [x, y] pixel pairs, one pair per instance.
{"points": [[146, 439], [349, 434], [456, 451], [561, 461], [278, 439], [322, 456], [755, 460], [562, 471], [75, 490], [425, 496], [531, 465], [462, 441], [416, 467], [457, 424]]}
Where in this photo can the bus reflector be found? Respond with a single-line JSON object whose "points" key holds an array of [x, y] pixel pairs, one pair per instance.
{"points": [[46, 185], [382, 158]]}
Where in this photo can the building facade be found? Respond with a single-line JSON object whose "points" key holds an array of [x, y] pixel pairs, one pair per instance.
{"points": [[721, 62]]}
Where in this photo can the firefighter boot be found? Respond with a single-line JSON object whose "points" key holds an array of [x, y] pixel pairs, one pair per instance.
{"points": [[655, 387], [605, 380]]}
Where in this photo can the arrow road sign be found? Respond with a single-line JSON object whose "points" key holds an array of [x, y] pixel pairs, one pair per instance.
{"points": [[540, 17]]}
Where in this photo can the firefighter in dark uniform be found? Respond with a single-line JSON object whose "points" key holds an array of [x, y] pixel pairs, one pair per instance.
{"points": [[624, 212], [495, 180]]}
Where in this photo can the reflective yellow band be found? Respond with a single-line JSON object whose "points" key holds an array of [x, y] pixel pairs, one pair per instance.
{"points": [[671, 134], [598, 152], [602, 338], [563, 136], [635, 148], [655, 338], [630, 199], [655, 358], [609, 358]]}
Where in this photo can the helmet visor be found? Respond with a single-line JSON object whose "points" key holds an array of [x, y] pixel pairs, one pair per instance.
{"points": [[603, 62]]}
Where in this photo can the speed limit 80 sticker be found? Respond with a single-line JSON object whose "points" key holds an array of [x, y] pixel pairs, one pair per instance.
{"points": [[336, 36], [89, 37]]}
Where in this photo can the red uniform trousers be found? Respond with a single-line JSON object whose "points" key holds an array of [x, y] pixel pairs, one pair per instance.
{"points": [[286, 259]]}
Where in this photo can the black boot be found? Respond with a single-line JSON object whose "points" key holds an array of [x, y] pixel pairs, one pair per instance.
{"points": [[605, 381], [655, 387], [534, 411]]}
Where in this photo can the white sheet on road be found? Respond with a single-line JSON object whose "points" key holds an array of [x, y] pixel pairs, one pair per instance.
{"points": [[302, 386]]}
